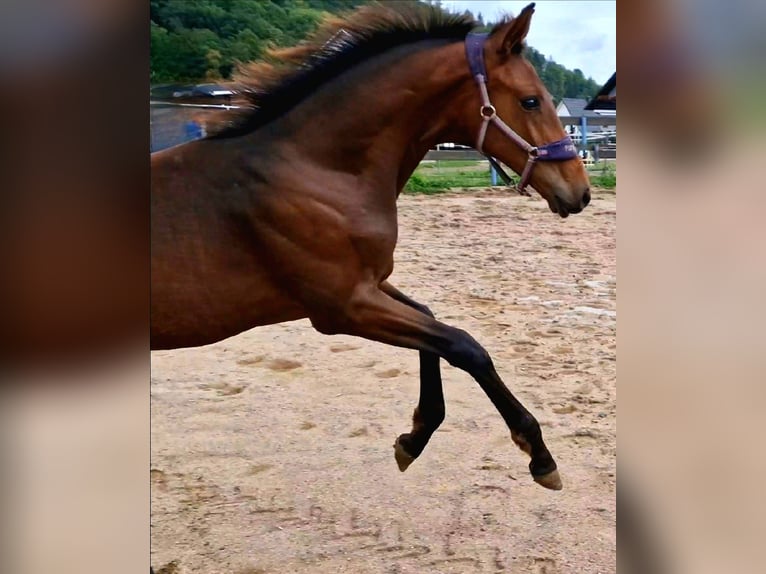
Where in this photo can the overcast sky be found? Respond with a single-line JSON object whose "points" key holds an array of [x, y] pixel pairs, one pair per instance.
{"points": [[574, 33]]}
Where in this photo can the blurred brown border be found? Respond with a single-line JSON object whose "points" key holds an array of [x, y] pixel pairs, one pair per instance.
{"points": [[74, 147], [691, 278], [75, 151], [74, 143]]}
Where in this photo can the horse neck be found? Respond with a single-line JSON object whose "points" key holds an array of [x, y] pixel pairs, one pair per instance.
{"points": [[380, 118]]}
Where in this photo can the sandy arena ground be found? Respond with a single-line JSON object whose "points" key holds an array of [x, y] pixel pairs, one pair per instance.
{"points": [[272, 451]]}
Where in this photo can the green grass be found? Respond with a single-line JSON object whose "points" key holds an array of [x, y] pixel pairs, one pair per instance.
{"points": [[449, 163], [604, 176], [428, 183], [606, 181]]}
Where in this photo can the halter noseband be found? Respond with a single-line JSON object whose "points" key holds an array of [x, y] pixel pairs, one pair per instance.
{"points": [[561, 150]]}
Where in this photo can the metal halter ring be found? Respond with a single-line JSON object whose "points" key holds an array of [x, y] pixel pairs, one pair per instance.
{"points": [[488, 111]]}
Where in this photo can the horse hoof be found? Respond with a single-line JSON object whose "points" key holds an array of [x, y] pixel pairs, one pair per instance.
{"points": [[403, 458], [552, 480]]}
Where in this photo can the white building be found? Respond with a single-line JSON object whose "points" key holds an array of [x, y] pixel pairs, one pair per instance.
{"points": [[600, 125]]}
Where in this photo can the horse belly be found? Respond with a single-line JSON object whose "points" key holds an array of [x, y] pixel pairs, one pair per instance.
{"points": [[203, 308]]}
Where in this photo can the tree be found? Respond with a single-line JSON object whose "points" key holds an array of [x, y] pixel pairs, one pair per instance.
{"points": [[244, 47], [554, 78], [537, 60], [194, 40], [185, 55], [214, 61]]}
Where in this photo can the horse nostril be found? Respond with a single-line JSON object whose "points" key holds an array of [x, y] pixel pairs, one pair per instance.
{"points": [[586, 198]]}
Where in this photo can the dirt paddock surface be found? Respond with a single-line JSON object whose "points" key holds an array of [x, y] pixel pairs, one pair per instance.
{"points": [[272, 451]]}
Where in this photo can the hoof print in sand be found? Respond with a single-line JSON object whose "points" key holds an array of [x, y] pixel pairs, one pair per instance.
{"points": [[283, 365], [246, 361], [342, 347]]}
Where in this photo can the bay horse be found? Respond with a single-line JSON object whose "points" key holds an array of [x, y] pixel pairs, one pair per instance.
{"points": [[288, 210]]}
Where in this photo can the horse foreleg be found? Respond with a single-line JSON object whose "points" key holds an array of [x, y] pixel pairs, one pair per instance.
{"points": [[429, 413], [373, 314]]}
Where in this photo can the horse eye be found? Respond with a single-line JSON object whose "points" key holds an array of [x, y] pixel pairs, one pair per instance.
{"points": [[530, 103]]}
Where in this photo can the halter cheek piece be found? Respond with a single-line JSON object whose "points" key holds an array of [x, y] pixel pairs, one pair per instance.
{"points": [[561, 150]]}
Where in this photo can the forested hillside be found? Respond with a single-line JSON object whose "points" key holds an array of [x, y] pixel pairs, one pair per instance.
{"points": [[200, 40]]}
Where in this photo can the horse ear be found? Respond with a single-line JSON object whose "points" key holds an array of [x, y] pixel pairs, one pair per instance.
{"points": [[517, 31]]}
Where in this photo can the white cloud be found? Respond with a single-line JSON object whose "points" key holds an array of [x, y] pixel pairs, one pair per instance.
{"points": [[576, 34]]}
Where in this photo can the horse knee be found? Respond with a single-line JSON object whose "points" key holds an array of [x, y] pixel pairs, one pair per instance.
{"points": [[465, 353]]}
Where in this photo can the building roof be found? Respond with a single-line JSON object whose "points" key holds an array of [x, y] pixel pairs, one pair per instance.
{"points": [[576, 107], [606, 99]]}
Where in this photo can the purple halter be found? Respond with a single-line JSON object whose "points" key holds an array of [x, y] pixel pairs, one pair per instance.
{"points": [[561, 150]]}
